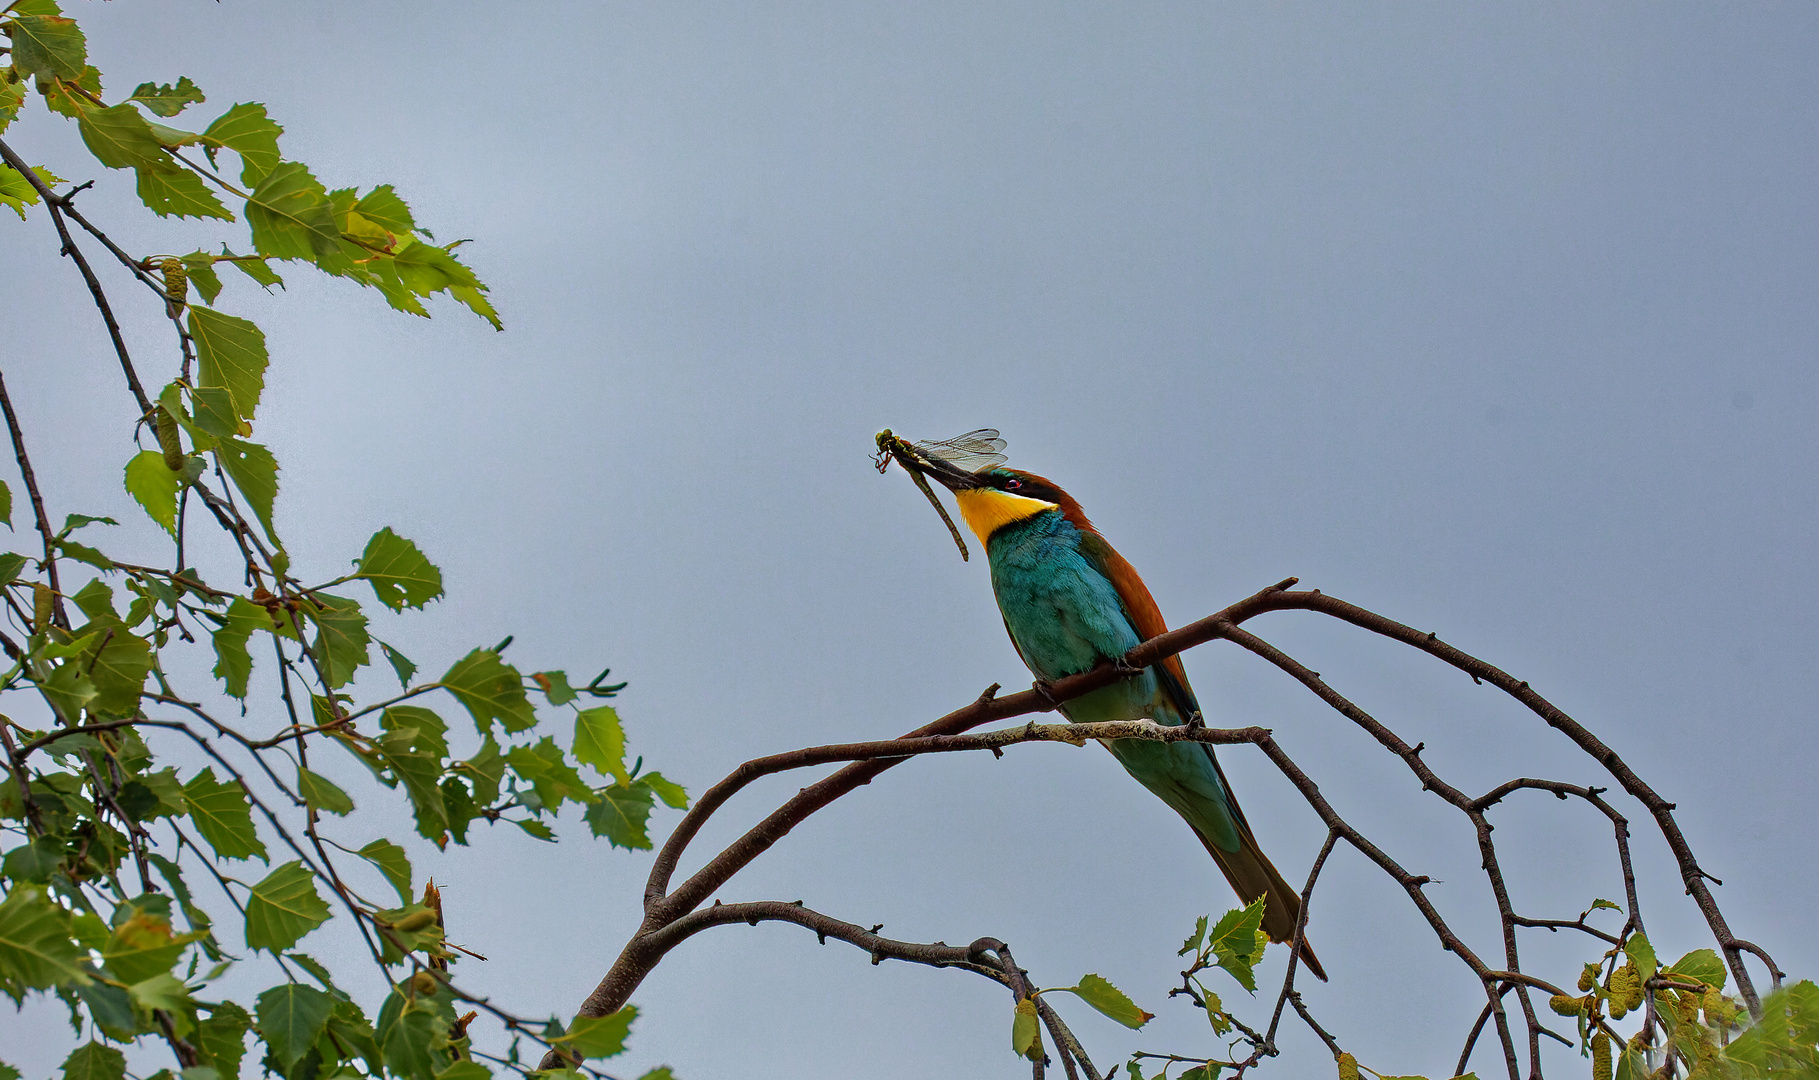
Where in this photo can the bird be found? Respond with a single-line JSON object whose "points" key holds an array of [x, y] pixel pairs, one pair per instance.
{"points": [[1071, 603]]}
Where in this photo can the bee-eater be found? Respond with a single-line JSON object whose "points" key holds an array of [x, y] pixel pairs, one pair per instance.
{"points": [[1070, 603]]}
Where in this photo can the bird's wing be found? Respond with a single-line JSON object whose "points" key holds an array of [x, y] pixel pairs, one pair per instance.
{"points": [[1145, 617]]}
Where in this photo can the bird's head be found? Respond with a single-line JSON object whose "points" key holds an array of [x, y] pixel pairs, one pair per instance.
{"points": [[994, 498]]}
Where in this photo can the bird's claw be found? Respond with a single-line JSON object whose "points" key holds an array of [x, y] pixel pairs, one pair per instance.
{"points": [[1195, 721], [1044, 689]]}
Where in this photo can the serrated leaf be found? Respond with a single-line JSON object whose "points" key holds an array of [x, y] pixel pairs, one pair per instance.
{"points": [[291, 1018], [341, 645], [166, 99], [35, 947], [384, 208], [202, 275], [17, 193], [223, 816], [12, 98], [1111, 1001], [600, 1036], [255, 473], [321, 794], [537, 829], [10, 564], [672, 793], [142, 946], [400, 574], [161, 991], [555, 687], [1237, 942], [233, 663], [82, 553], [425, 732], [180, 193], [246, 130], [413, 1037], [600, 742], [94, 1062], [222, 1038], [257, 269], [290, 215], [465, 1069], [120, 138], [1701, 965], [283, 907], [231, 354], [47, 46], [1192, 944], [393, 863], [1604, 905], [154, 486], [400, 663], [622, 816], [491, 690], [117, 666], [553, 779]]}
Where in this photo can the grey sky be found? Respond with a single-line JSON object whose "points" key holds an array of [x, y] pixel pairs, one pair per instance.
{"points": [[1498, 321]]}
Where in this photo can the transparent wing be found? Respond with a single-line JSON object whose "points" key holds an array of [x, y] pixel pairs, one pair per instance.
{"points": [[974, 451]]}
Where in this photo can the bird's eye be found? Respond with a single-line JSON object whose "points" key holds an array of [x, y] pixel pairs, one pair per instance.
{"points": [[1012, 485]]}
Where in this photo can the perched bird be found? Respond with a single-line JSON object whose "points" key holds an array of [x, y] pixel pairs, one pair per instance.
{"points": [[1071, 603]]}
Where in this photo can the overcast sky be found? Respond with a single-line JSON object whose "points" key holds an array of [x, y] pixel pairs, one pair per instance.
{"points": [[1497, 320]]}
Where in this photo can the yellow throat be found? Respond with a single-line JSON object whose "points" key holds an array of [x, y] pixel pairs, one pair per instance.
{"points": [[987, 510]]}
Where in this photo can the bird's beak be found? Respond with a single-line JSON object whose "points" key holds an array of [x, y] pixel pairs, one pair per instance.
{"points": [[950, 477]]}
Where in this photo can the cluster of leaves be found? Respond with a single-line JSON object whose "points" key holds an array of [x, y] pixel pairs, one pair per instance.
{"points": [[101, 837], [1095, 990], [1688, 1022]]}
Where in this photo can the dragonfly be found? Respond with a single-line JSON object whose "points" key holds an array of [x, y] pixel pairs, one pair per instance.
{"points": [[972, 452]]}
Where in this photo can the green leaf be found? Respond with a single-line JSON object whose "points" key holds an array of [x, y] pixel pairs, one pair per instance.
{"points": [[321, 794], [223, 816], [622, 815], [233, 663], [392, 862], [12, 98], [17, 193], [290, 216], [1026, 1039], [661, 1072], [425, 732], [47, 46], [230, 353], [35, 947], [1201, 1072], [94, 1062], [600, 742], [384, 208], [202, 275], [6, 518], [1111, 1001], [1237, 942], [1192, 944], [552, 778], [341, 638], [152, 483], [117, 665], [283, 907], [1642, 954], [84, 554], [142, 945], [465, 1069], [413, 1038], [168, 100], [161, 991], [1604, 905], [67, 689], [400, 575], [490, 689], [291, 1018], [255, 472], [222, 1039], [111, 1007], [600, 1036], [538, 829], [400, 663], [419, 773], [34, 862], [672, 793], [1701, 965], [173, 876], [555, 687], [247, 131], [257, 269], [120, 138], [179, 193]]}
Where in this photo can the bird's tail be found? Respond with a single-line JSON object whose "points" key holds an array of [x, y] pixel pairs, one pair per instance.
{"points": [[1251, 875]]}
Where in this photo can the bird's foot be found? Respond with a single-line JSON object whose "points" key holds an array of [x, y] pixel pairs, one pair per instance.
{"points": [[1195, 721], [1123, 668], [1045, 690]]}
